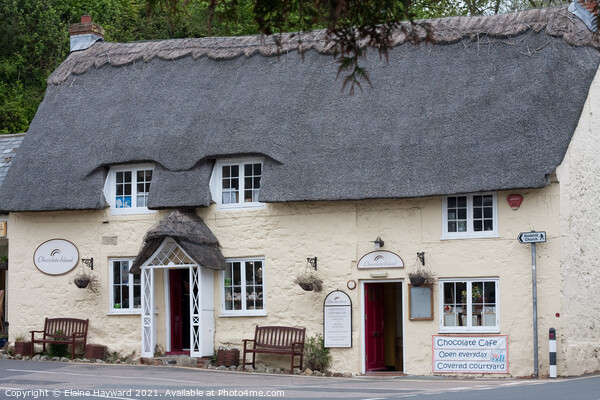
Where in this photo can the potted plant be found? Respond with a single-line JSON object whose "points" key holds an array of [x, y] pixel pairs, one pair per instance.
{"points": [[4, 262], [309, 281], [421, 277]]}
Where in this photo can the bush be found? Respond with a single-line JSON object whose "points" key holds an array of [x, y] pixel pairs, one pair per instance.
{"points": [[316, 356], [58, 349]]}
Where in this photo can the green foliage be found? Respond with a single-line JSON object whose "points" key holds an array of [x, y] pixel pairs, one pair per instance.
{"points": [[316, 356], [58, 349]]}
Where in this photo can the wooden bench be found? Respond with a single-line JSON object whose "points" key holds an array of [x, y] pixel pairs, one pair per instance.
{"points": [[69, 331], [282, 340]]}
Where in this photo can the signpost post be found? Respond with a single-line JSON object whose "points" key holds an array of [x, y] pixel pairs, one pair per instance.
{"points": [[533, 237]]}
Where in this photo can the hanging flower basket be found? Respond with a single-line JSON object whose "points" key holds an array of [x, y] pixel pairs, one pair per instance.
{"points": [[417, 280], [309, 282], [421, 277], [82, 282]]}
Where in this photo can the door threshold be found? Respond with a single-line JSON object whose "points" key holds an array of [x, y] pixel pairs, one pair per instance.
{"points": [[385, 373]]}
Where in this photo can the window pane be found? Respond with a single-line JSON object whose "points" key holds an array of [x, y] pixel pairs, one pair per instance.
{"points": [[462, 201], [477, 227], [477, 212], [477, 200], [487, 212], [462, 213], [451, 226], [488, 225], [462, 226], [488, 200]]}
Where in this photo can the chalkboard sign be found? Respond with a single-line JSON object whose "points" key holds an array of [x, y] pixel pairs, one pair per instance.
{"points": [[420, 302], [337, 320]]}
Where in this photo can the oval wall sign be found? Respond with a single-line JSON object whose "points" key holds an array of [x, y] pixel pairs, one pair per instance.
{"points": [[380, 259], [56, 257]]}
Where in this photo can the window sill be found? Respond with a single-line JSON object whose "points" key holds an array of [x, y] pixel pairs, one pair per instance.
{"points": [[131, 211], [125, 312], [248, 206], [470, 236], [243, 314], [492, 330]]}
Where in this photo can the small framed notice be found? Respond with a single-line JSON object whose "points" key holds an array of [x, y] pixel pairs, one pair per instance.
{"points": [[3, 229], [420, 302], [337, 320]]}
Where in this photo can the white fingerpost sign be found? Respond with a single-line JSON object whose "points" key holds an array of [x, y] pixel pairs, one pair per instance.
{"points": [[56, 257], [337, 320], [470, 354]]}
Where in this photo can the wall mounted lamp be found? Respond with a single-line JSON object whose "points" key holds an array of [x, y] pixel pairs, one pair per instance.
{"points": [[421, 257], [89, 262], [378, 243], [312, 262]]}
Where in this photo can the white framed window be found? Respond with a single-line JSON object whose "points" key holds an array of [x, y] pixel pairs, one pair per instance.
{"points": [[236, 183], [127, 188], [243, 290], [125, 288], [469, 305], [470, 216]]}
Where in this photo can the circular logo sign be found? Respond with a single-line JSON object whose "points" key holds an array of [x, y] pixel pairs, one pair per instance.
{"points": [[56, 257]]}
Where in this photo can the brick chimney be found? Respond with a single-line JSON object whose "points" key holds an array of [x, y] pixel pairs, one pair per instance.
{"points": [[85, 34]]}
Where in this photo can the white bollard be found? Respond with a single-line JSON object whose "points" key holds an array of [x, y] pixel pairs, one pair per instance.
{"points": [[552, 350]]}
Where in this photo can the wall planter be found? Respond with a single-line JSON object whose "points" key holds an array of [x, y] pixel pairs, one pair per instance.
{"points": [[81, 282], [421, 277], [309, 282], [228, 357]]}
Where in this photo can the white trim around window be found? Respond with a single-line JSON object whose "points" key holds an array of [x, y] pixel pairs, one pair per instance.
{"points": [[126, 188], [243, 287], [235, 183], [470, 216], [124, 288], [469, 305]]}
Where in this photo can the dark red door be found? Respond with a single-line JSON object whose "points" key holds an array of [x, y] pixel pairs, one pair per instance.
{"points": [[374, 327], [180, 313]]}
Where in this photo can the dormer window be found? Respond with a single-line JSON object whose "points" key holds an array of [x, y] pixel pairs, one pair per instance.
{"points": [[127, 188], [470, 216], [236, 183]]}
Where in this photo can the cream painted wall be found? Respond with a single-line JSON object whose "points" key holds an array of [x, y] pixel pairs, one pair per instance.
{"points": [[338, 233], [579, 176]]}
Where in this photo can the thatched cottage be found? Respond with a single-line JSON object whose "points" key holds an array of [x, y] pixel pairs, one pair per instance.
{"points": [[200, 177]]}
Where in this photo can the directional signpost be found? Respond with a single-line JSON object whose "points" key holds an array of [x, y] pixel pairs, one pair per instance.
{"points": [[532, 238]]}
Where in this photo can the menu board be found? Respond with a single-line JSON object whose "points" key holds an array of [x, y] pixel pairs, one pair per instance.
{"points": [[337, 320]]}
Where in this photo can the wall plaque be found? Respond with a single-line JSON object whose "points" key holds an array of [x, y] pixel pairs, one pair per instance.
{"points": [[337, 320], [56, 257], [380, 259]]}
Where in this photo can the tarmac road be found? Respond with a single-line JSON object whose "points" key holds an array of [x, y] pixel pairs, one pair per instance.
{"points": [[55, 380]]}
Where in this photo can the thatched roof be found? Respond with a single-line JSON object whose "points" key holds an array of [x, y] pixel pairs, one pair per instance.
{"points": [[492, 106], [190, 232]]}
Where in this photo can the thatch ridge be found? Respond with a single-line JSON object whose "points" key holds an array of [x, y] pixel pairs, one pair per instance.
{"points": [[556, 21]]}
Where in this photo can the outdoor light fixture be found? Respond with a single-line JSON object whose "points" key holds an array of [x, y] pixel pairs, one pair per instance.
{"points": [[89, 262], [312, 262], [421, 257], [378, 243]]}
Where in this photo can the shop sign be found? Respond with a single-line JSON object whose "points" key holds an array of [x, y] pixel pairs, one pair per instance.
{"points": [[56, 257], [337, 320], [380, 259], [470, 354]]}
